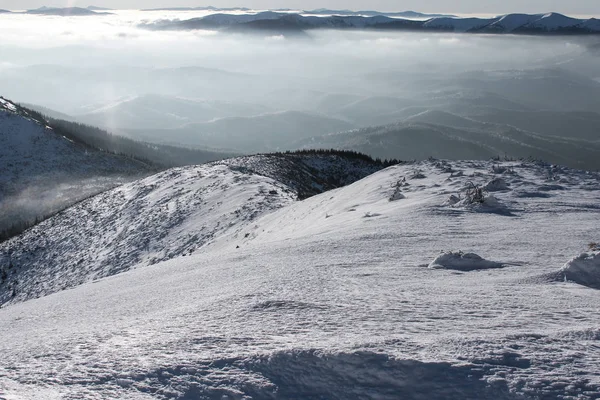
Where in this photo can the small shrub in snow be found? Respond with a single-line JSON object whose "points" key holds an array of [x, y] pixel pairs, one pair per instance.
{"points": [[418, 174], [474, 194], [501, 169], [594, 246]]}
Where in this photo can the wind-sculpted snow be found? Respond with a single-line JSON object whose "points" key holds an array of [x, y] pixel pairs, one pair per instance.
{"points": [[584, 269], [326, 297]]}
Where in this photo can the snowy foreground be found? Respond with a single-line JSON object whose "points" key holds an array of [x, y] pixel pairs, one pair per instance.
{"points": [[395, 287]]}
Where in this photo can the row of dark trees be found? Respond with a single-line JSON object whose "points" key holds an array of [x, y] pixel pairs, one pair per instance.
{"points": [[348, 154]]}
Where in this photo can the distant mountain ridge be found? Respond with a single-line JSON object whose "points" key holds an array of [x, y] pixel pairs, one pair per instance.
{"points": [[372, 13], [95, 8], [66, 11], [319, 11], [550, 23]]}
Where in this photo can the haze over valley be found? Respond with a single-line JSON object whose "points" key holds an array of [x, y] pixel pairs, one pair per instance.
{"points": [[243, 92]]}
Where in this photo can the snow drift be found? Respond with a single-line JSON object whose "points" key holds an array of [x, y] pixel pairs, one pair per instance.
{"points": [[584, 269], [460, 261]]}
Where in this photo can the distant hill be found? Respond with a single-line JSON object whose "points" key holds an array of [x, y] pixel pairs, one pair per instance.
{"points": [[65, 12], [94, 8], [371, 13], [158, 155], [266, 132], [445, 135], [160, 111], [209, 8]]}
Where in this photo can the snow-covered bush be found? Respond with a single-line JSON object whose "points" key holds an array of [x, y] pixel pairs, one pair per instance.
{"points": [[397, 194], [474, 194], [501, 169], [418, 174], [496, 185], [461, 261]]}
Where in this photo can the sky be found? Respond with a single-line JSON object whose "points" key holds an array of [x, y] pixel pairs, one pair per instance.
{"points": [[581, 7]]}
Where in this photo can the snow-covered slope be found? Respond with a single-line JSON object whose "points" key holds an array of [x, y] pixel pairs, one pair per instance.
{"points": [[510, 22], [332, 297], [42, 172], [553, 21], [175, 213]]}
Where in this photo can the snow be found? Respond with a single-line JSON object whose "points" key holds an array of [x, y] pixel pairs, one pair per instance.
{"points": [[322, 298]]}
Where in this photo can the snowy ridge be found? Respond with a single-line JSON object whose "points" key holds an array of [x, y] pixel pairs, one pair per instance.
{"points": [[173, 214], [328, 297]]}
